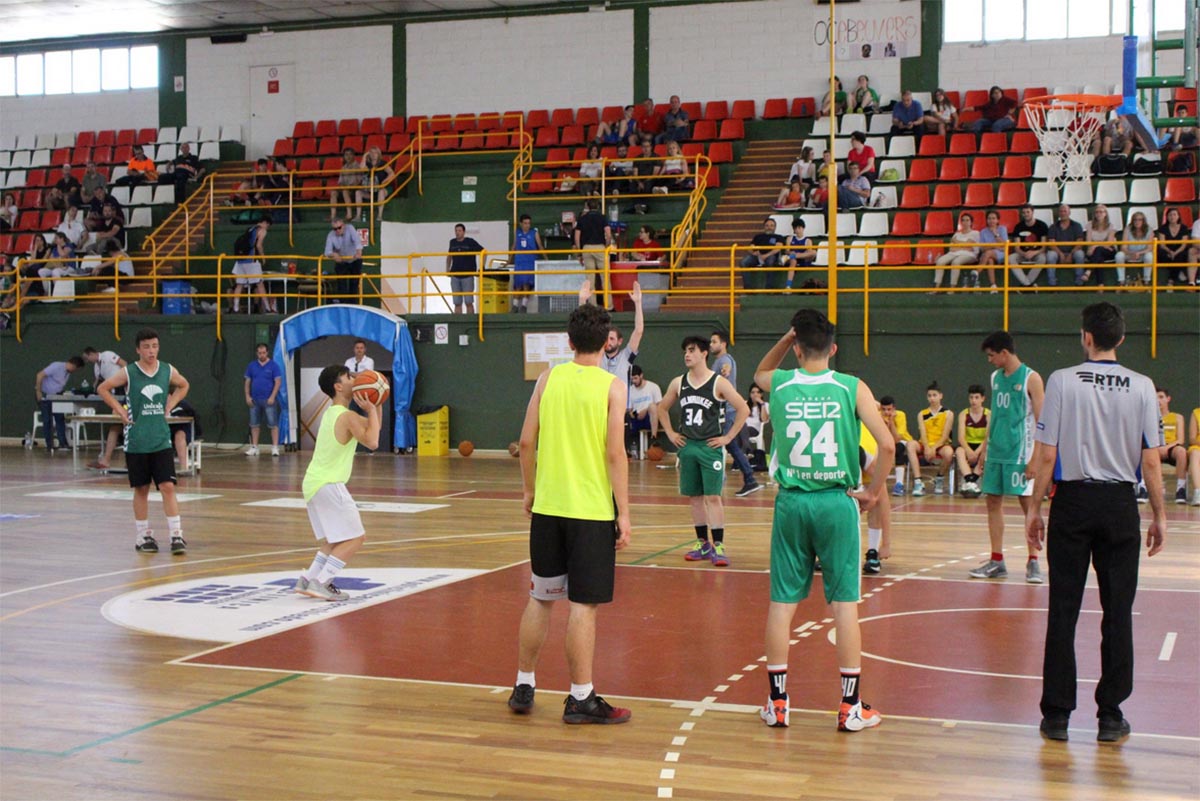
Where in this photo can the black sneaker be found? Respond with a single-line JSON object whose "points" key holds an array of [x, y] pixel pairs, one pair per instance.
{"points": [[748, 488], [1181, 496], [178, 545], [872, 565], [816, 565], [593, 709], [1112, 730], [1143, 496], [1054, 728], [147, 545], [521, 700]]}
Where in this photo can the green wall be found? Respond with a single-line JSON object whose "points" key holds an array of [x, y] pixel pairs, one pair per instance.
{"points": [[921, 73]]}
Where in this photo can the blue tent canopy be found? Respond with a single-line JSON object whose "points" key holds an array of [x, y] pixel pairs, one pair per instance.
{"points": [[364, 323]]}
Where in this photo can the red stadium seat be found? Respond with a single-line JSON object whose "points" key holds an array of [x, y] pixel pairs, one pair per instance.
{"points": [[710, 176], [571, 135], [22, 243], [536, 119], [376, 140], [906, 223], [471, 140], [979, 196], [693, 110], [325, 128], [1008, 218], [961, 144], [578, 155], [347, 127], [716, 110], [588, 116], [329, 145], [511, 120], [371, 126], [1180, 190], [733, 129], [743, 110], [417, 122], [915, 197], [28, 221], [50, 220], [1034, 91], [398, 142], [985, 168], [82, 154], [775, 108], [332, 164], [303, 130], [355, 143], [394, 125], [305, 147], [1011, 194], [992, 143], [283, 148], [126, 136], [30, 199], [1017, 168], [147, 136], [464, 123], [489, 121], [947, 196], [953, 96], [1011, 94], [439, 123], [62, 155], [953, 169], [932, 146], [896, 255], [309, 165], [922, 170], [102, 155], [106, 139], [122, 154], [445, 140], [939, 223], [6, 244], [974, 97], [720, 153], [546, 137], [693, 149], [611, 113], [1023, 142], [704, 131], [539, 183], [498, 140], [927, 253], [803, 107], [85, 139], [562, 116], [312, 189], [1022, 120], [558, 157]]}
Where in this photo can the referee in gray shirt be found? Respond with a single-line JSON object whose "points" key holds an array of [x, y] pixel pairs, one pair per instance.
{"points": [[1099, 423]]}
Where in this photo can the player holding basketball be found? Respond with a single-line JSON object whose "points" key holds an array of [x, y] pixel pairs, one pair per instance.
{"points": [[154, 388], [814, 460], [1017, 393], [703, 396], [573, 468], [331, 511]]}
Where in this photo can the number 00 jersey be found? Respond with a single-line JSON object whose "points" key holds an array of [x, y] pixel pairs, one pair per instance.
{"points": [[816, 440], [701, 415]]}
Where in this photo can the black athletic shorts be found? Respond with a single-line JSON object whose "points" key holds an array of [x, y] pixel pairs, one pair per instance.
{"points": [[158, 467], [581, 550]]}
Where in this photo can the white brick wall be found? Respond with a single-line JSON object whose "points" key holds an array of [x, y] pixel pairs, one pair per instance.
{"points": [[1071, 62], [137, 108], [552, 61], [737, 51]]}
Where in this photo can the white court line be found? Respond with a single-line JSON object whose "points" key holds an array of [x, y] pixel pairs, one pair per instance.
{"points": [[989, 583], [1168, 647], [455, 494]]}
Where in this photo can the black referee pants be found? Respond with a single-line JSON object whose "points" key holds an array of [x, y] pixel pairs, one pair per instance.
{"points": [[1097, 523]]}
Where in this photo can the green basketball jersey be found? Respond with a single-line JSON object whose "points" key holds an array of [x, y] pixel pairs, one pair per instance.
{"points": [[701, 415], [1010, 437], [148, 431], [815, 419]]}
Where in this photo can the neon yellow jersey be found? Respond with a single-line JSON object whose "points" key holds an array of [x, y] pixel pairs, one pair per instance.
{"points": [[572, 466], [935, 422], [902, 426], [975, 428], [332, 461]]}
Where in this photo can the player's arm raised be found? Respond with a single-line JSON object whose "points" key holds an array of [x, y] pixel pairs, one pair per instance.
{"points": [[363, 429], [771, 361], [885, 455], [725, 392], [529, 439], [105, 391], [639, 320], [664, 413], [618, 462]]}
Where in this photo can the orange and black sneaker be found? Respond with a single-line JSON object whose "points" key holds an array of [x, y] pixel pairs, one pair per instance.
{"points": [[775, 713], [856, 717], [593, 709]]}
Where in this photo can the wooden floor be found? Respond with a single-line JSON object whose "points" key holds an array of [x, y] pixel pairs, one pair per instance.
{"points": [[128, 676]]}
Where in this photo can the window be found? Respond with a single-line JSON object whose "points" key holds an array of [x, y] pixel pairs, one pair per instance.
{"points": [[1001, 20], [64, 72], [963, 21]]}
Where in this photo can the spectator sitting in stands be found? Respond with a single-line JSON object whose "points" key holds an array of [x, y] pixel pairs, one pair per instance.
{"points": [[1172, 250], [141, 170], [1116, 138], [769, 245], [620, 131], [1101, 233], [908, 117], [28, 268], [349, 179], [644, 397], [1065, 230], [590, 171], [620, 168], [941, 116], [1027, 234], [674, 171], [675, 123], [278, 181], [829, 168], [376, 179], [115, 261], [95, 211], [999, 113], [854, 190], [62, 262], [804, 168], [1183, 137], [1136, 246], [646, 248], [751, 437], [649, 121], [865, 100], [66, 192], [835, 104], [790, 197], [9, 212], [863, 155], [964, 250], [186, 167], [110, 229], [800, 253], [818, 196], [250, 191], [91, 180], [993, 234], [72, 226]]}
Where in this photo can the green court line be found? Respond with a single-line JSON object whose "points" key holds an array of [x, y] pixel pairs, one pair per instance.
{"points": [[169, 718], [660, 553]]}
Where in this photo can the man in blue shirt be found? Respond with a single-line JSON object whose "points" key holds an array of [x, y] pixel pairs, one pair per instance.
{"points": [[908, 116], [262, 390], [344, 247], [527, 242], [462, 268], [52, 380]]}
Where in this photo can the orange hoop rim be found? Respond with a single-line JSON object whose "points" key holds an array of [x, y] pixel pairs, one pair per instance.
{"points": [[1077, 102]]}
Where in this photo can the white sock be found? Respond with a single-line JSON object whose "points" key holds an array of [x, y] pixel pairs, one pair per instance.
{"points": [[580, 692], [174, 526], [1180, 483], [143, 528], [1141, 485], [331, 568], [900, 475], [874, 537], [527, 678], [314, 569]]}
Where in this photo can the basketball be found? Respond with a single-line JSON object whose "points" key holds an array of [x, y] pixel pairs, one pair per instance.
{"points": [[514, 449], [466, 448], [372, 386], [655, 453]]}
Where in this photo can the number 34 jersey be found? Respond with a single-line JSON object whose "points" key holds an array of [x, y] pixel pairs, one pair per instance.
{"points": [[701, 415], [815, 445]]}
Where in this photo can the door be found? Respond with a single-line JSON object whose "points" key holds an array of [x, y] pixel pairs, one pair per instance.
{"points": [[272, 107]]}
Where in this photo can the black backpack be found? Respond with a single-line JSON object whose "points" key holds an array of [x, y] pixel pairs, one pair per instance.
{"points": [[1145, 166], [1111, 164], [244, 244]]}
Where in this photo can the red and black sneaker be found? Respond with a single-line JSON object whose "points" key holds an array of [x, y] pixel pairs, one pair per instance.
{"points": [[593, 709]]}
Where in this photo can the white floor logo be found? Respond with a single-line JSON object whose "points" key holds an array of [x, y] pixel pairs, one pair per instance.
{"points": [[236, 608]]}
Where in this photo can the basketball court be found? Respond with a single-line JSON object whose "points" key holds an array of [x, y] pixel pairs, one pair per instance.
{"points": [[127, 674]]}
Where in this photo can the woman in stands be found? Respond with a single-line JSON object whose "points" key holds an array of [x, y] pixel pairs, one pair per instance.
{"points": [[9, 212], [590, 171], [805, 169], [993, 234], [349, 179], [376, 179], [866, 99], [646, 248], [673, 171], [1172, 247], [29, 266], [750, 438], [790, 197], [618, 131], [1135, 247], [863, 155], [835, 104], [941, 116], [1101, 232], [62, 262], [964, 250]]}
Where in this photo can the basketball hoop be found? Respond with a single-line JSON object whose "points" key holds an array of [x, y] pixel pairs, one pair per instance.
{"points": [[1065, 126]]}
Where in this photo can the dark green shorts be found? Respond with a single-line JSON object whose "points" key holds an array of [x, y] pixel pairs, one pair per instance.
{"points": [[701, 469], [812, 525]]}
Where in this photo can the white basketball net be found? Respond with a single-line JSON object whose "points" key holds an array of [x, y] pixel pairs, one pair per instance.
{"points": [[1066, 128]]}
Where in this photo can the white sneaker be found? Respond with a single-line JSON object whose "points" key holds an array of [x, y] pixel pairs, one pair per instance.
{"points": [[275, 452], [918, 488], [1195, 501], [252, 451], [939, 485], [325, 592]]}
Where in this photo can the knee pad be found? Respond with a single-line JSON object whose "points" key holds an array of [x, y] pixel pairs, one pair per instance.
{"points": [[552, 588]]}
